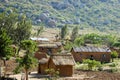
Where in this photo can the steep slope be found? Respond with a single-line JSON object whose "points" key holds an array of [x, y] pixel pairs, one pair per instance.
{"points": [[99, 14]]}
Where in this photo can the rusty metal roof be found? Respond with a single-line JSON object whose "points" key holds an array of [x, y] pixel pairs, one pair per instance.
{"points": [[91, 49]]}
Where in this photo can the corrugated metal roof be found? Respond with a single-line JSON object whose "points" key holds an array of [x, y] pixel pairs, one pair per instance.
{"points": [[39, 39], [91, 49], [65, 59], [48, 45]]}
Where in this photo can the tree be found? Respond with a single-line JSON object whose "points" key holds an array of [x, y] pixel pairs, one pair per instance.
{"points": [[38, 31], [64, 32], [93, 38], [108, 40], [114, 54], [16, 26], [23, 30], [6, 50], [74, 33], [116, 44], [28, 60], [9, 22], [79, 41]]}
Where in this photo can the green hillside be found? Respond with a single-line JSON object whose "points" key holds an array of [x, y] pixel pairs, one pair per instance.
{"points": [[99, 14]]}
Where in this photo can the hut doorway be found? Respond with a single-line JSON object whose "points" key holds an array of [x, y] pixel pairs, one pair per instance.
{"points": [[39, 69], [103, 58], [91, 57]]}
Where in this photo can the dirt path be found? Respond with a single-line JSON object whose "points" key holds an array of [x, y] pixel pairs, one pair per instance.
{"points": [[79, 75]]}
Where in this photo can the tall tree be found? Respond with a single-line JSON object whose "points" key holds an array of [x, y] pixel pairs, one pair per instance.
{"points": [[74, 33], [40, 29], [23, 30], [64, 31], [6, 50], [8, 22], [28, 60]]}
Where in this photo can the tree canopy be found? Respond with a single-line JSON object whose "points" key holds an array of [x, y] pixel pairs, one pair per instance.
{"points": [[16, 26], [28, 60], [64, 31], [5, 45]]}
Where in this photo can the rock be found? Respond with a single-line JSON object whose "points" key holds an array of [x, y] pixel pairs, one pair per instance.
{"points": [[59, 6], [51, 23], [6, 1], [44, 17], [103, 0]]}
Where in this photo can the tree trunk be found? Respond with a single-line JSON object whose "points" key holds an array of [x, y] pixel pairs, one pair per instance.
{"points": [[112, 59], [4, 61], [26, 74], [18, 51]]}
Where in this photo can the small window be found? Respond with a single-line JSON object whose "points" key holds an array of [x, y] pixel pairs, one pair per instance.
{"points": [[91, 57], [103, 55]]}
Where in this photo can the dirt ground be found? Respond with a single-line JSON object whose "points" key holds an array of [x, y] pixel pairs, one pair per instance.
{"points": [[79, 75]]}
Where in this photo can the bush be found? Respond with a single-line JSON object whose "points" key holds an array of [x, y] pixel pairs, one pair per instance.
{"points": [[114, 54], [91, 63], [113, 65], [54, 74], [113, 70]]}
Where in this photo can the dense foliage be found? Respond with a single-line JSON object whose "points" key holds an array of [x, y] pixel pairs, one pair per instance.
{"points": [[114, 54], [100, 14], [16, 26], [5, 45], [96, 39]]}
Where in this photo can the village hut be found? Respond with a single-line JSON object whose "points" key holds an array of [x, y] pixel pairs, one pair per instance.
{"points": [[64, 63], [102, 54], [49, 48], [40, 55]]}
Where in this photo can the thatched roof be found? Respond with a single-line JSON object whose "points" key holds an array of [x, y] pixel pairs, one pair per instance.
{"points": [[63, 59], [58, 43], [43, 60], [91, 49]]}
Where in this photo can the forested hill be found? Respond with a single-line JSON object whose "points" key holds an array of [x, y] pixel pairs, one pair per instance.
{"points": [[100, 14]]}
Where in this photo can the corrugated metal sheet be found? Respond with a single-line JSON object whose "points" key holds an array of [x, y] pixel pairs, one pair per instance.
{"points": [[40, 39], [91, 49], [48, 45]]}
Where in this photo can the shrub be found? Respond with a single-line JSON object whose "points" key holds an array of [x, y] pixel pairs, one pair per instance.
{"points": [[54, 74], [113, 70], [91, 63], [113, 65], [114, 54]]}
